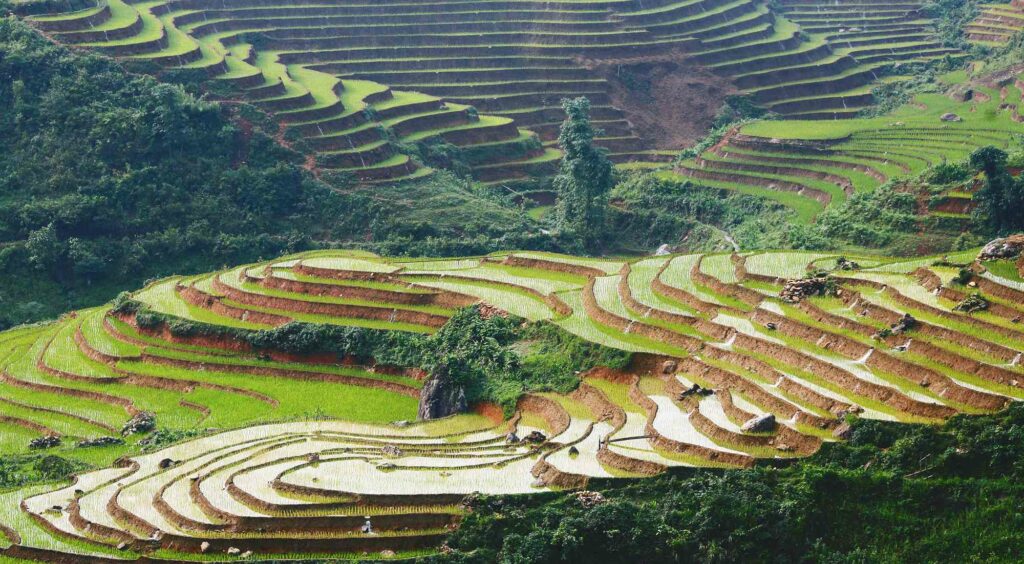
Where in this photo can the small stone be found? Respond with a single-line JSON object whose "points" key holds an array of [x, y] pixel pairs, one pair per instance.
{"points": [[234, 551], [122, 546], [949, 116], [391, 450], [204, 547], [246, 554], [387, 554]]}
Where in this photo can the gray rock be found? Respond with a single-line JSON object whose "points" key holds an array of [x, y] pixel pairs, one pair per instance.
{"points": [[760, 424], [441, 397], [950, 117], [843, 431], [142, 422], [40, 443]]}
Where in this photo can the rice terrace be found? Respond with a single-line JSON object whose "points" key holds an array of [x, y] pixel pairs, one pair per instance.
{"points": [[472, 281]]}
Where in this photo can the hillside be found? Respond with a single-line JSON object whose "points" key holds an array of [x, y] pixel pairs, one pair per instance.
{"points": [[886, 340], [358, 84], [569, 281]]}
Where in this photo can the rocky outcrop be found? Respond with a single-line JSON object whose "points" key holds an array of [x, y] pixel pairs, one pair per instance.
{"points": [[143, 422], [797, 289], [1003, 248], [441, 396]]}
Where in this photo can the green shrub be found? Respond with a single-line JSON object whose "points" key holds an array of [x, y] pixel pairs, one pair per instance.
{"points": [[948, 173]]}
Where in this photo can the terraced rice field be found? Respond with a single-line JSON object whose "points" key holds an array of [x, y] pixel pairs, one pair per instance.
{"points": [[811, 165], [358, 81], [997, 23], [313, 446]]}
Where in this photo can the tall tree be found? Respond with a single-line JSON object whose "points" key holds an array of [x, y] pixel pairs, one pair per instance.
{"points": [[585, 177], [1001, 200]]}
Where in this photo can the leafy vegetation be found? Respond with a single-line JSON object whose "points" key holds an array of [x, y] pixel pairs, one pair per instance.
{"points": [[650, 210], [1001, 200], [22, 470], [495, 358], [109, 177]]}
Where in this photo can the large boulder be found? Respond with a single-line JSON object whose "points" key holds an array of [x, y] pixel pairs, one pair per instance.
{"points": [[441, 396], [142, 422], [760, 424], [1003, 248], [795, 290]]}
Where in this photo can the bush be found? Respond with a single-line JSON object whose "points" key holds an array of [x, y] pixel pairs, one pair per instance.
{"points": [[948, 173]]}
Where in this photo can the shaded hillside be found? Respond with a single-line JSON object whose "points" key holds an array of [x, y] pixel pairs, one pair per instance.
{"points": [[109, 178]]}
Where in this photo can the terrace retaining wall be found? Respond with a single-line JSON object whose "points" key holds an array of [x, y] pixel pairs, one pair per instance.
{"points": [[671, 445], [643, 310], [844, 379], [339, 310], [594, 310]]}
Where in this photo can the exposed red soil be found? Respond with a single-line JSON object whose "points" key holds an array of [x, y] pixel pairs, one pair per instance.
{"points": [[670, 100]]}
